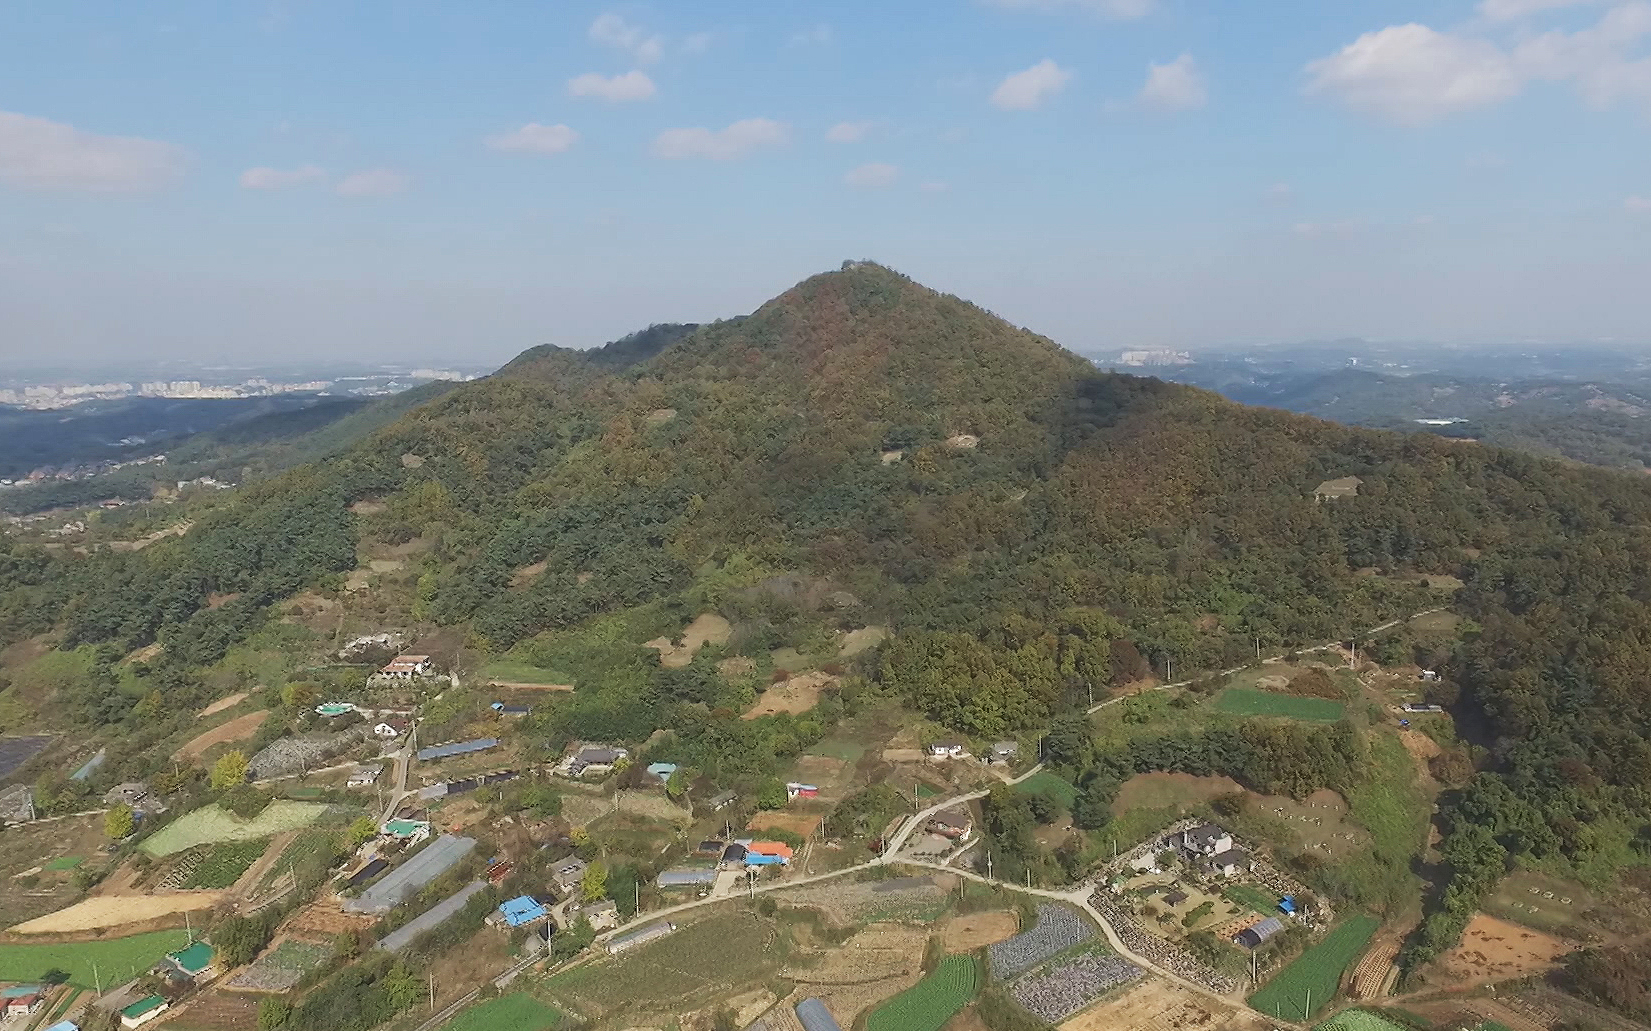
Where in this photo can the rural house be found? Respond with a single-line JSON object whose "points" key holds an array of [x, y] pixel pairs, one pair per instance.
{"points": [[955, 824], [1330, 490], [1004, 753], [393, 727], [721, 800], [522, 911], [22, 1000], [364, 776], [767, 853], [595, 759], [1229, 863], [197, 964], [406, 667], [948, 750], [794, 791], [1206, 840], [602, 916], [143, 1011], [567, 873]]}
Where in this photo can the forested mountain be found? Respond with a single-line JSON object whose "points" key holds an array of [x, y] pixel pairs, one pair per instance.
{"points": [[1013, 514]]}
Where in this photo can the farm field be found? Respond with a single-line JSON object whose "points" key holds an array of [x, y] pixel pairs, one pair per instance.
{"points": [[515, 671], [211, 825], [1239, 701], [1162, 790], [102, 911], [1072, 984], [974, 930], [929, 1004], [1496, 950], [115, 957], [283, 966], [1316, 972], [1357, 1020], [515, 1012], [1058, 928], [235, 730], [225, 864], [1544, 903], [216, 1010], [1251, 897]]}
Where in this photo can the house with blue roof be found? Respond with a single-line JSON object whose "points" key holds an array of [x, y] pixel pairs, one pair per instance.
{"points": [[522, 911], [662, 770]]}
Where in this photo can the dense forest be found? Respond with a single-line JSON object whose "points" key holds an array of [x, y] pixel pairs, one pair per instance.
{"points": [[1031, 528]]}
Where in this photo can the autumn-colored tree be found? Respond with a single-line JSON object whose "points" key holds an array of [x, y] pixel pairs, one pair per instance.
{"points": [[119, 822], [230, 770]]}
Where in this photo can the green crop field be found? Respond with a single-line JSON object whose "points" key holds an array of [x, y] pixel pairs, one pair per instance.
{"points": [[514, 1012], [839, 748], [1253, 898], [225, 864], [927, 1005], [1358, 1020], [1240, 701], [1316, 972], [1046, 783], [515, 671], [115, 959], [211, 825], [64, 863]]}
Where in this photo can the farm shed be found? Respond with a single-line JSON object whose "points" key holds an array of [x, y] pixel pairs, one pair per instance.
{"points": [[523, 910], [63, 1025], [733, 855], [511, 710], [195, 963], [814, 1016], [568, 872], [437, 915], [367, 873], [480, 744], [1252, 937], [639, 937], [437, 858], [683, 877], [143, 1011], [662, 770], [721, 800]]}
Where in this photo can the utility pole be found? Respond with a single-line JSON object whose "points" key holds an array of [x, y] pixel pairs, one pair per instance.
{"points": [[988, 866], [1258, 647], [97, 978], [638, 886], [1091, 688], [432, 993]]}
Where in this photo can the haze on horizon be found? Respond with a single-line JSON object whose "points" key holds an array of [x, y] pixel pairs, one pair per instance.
{"points": [[438, 182]]}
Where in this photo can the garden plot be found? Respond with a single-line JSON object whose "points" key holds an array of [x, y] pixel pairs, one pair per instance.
{"points": [[794, 695], [215, 1009], [875, 953], [1238, 701], [105, 911], [282, 967], [1311, 980], [1058, 928], [213, 824], [915, 898], [1067, 987], [708, 628], [237, 729], [1155, 1005], [927, 1005], [975, 930]]}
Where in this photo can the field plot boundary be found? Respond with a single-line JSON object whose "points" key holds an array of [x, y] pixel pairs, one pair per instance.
{"points": [[931, 1002], [1244, 701], [212, 825], [1285, 995]]}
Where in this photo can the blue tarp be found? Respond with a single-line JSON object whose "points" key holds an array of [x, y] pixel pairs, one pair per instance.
{"points": [[458, 748], [758, 859], [523, 909]]}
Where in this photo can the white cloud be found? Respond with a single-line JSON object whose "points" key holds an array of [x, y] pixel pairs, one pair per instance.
{"points": [[1595, 59], [819, 35], [374, 182], [619, 89], [849, 132], [1121, 10], [873, 176], [1513, 10], [1027, 90], [534, 138], [1637, 205], [40, 154], [1177, 86], [1413, 75], [738, 140], [264, 178], [614, 31]]}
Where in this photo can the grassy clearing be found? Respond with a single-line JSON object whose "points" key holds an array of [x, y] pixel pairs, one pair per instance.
{"points": [[516, 671], [225, 864], [515, 1012], [1315, 975], [1046, 783], [1252, 898], [115, 958], [927, 1005], [728, 948], [307, 845], [1358, 1020], [838, 748], [64, 863], [211, 825], [1237, 701]]}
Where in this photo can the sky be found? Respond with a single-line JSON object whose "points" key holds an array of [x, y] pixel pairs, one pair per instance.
{"points": [[301, 179]]}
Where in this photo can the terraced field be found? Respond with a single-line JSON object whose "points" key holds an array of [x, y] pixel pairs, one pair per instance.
{"points": [[1307, 984], [1058, 928], [929, 1004]]}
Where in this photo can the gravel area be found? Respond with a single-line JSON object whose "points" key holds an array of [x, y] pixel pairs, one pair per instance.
{"points": [[1058, 927]]}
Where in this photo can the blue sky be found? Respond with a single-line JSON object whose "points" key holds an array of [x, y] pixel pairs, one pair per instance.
{"points": [[463, 180]]}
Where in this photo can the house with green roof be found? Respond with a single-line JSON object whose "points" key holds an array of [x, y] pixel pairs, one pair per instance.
{"points": [[196, 963], [143, 1011]]}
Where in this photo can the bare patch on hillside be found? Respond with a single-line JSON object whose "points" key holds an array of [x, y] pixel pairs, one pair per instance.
{"points": [[796, 695], [223, 703], [236, 729], [963, 442], [1496, 950], [369, 507], [527, 574], [118, 910], [864, 639], [708, 628], [148, 653], [660, 416], [411, 461], [175, 530]]}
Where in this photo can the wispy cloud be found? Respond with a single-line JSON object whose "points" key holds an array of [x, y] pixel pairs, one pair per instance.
{"points": [[874, 175], [1119, 10], [534, 138], [849, 132], [619, 89], [1027, 90], [374, 182], [1176, 86], [736, 141], [1637, 205], [1512, 10], [265, 178], [40, 154], [614, 31]]}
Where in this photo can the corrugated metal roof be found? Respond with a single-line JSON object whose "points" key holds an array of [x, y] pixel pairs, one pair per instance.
{"points": [[437, 915], [481, 744], [686, 877], [436, 859], [815, 1017], [649, 933]]}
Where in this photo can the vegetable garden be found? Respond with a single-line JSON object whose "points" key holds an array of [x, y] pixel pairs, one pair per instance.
{"points": [[225, 864], [1307, 984], [927, 1005], [1240, 701], [514, 1012]]}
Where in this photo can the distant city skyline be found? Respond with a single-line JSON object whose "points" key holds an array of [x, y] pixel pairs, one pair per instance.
{"points": [[453, 183]]}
